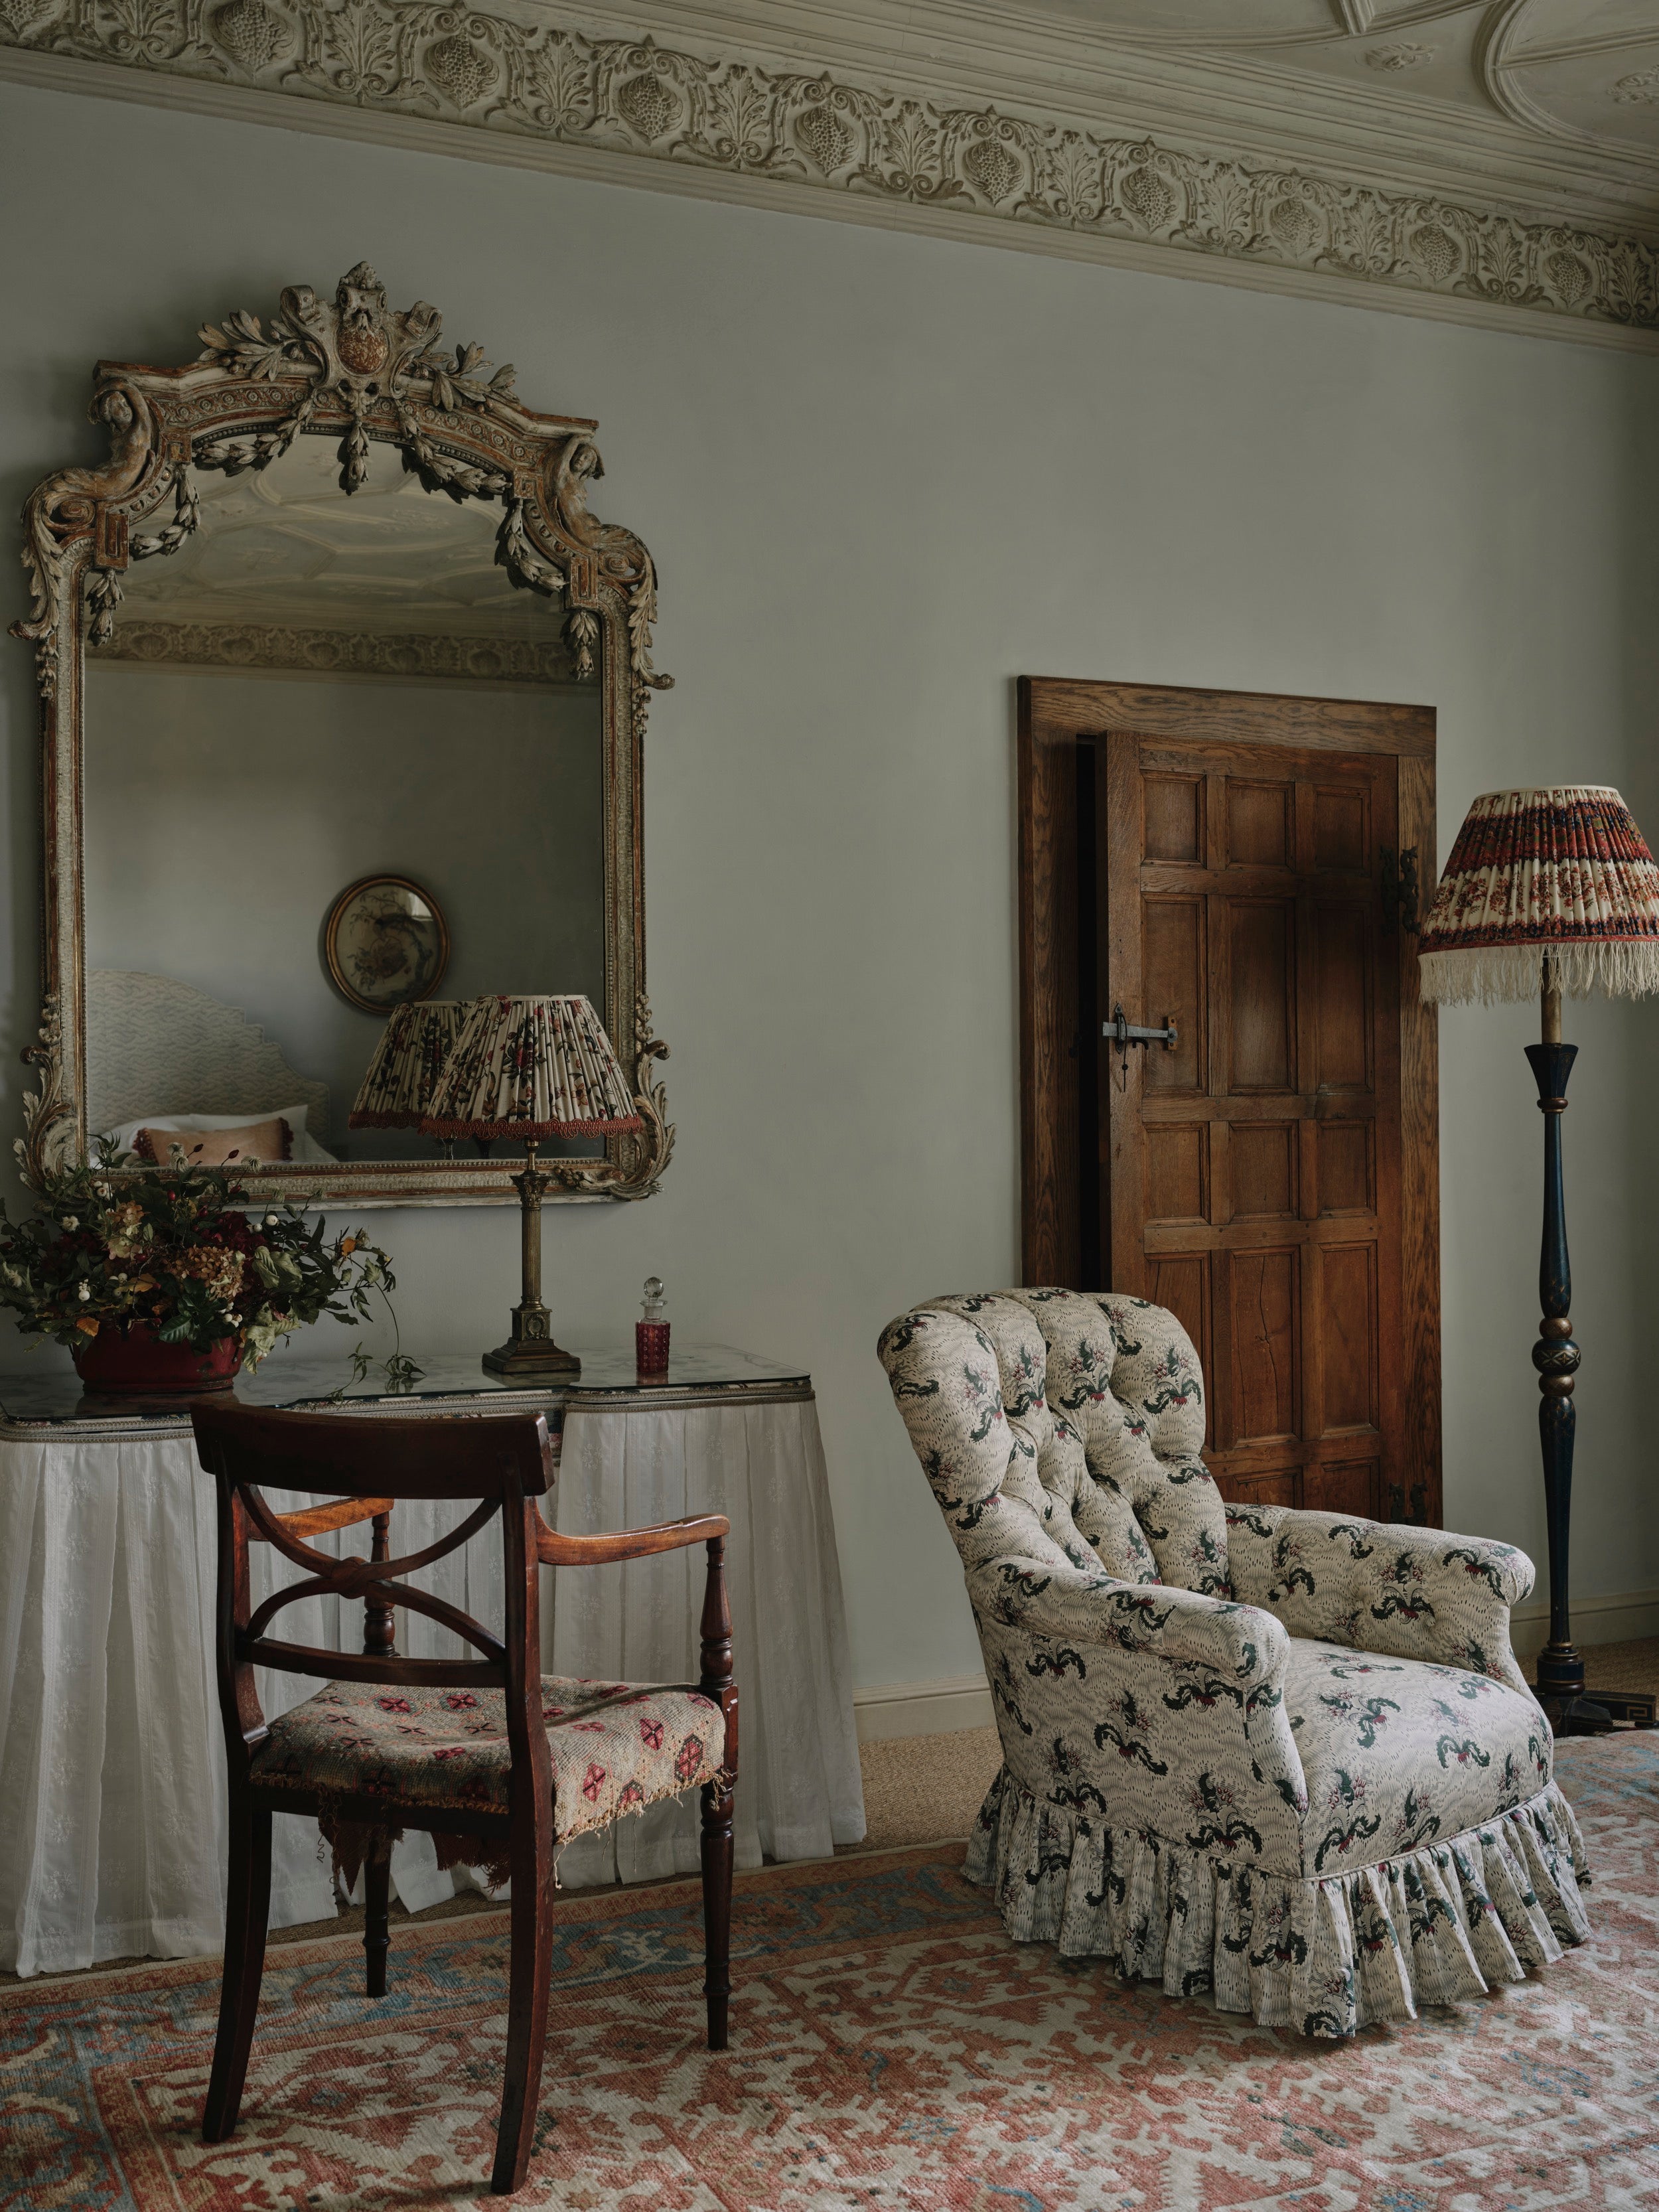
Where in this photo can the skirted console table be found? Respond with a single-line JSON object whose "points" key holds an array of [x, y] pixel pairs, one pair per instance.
{"points": [[112, 1784]]}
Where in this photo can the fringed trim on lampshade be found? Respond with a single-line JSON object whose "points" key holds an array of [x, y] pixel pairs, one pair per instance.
{"points": [[1517, 971], [408, 1060], [531, 1068], [1561, 873]]}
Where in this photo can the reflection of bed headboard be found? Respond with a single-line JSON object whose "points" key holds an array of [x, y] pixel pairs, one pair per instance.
{"points": [[158, 1046]]}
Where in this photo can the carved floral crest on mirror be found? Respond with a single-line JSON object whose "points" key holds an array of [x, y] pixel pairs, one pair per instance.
{"points": [[334, 608]]}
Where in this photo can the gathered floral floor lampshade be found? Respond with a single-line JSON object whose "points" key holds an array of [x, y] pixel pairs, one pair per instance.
{"points": [[530, 1068], [1559, 873], [403, 1076]]}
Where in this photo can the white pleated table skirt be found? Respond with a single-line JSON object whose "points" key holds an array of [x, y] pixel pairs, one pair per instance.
{"points": [[112, 1755]]}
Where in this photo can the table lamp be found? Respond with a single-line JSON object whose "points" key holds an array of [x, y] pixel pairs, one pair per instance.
{"points": [[403, 1076], [1552, 891], [530, 1068]]}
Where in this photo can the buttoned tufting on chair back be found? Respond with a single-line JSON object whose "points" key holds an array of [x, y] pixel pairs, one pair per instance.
{"points": [[1062, 1427]]}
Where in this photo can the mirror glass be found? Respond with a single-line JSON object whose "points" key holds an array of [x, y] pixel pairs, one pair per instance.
{"points": [[334, 762]]}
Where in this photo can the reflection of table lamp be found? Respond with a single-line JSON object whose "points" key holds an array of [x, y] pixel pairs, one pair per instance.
{"points": [[1548, 892], [403, 1076], [530, 1068]]}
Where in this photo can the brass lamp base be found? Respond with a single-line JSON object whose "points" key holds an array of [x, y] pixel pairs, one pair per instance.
{"points": [[530, 1363], [530, 1355]]}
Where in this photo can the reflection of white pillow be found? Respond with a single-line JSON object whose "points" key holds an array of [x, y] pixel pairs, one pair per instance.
{"points": [[305, 1147]]}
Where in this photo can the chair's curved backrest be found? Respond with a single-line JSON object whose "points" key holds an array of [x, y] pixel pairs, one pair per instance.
{"points": [[364, 1466], [1064, 1418]]}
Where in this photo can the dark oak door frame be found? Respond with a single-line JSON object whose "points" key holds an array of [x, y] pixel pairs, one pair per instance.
{"points": [[1064, 732]]}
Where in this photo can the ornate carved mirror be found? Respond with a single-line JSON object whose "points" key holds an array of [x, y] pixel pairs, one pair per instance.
{"points": [[343, 693]]}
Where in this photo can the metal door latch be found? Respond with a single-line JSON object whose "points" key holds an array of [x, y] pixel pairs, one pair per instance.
{"points": [[1123, 1033]]}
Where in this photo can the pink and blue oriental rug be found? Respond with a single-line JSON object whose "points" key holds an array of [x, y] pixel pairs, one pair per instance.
{"points": [[890, 2052]]}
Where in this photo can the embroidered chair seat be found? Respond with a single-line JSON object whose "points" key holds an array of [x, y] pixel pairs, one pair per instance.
{"points": [[615, 1746]]}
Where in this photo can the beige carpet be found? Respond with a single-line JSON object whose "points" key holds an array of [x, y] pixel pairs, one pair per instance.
{"points": [[1632, 1666], [925, 1789]]}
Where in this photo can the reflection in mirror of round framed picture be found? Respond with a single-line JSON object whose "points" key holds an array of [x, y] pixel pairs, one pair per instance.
{"points": [[386, 943]]}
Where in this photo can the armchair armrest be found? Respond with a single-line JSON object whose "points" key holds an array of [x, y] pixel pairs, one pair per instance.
{"points": [[715, 1678], [1402, 1592], [1174, 1677], [1245, 1643], [554, 1550], [318, 1520]]}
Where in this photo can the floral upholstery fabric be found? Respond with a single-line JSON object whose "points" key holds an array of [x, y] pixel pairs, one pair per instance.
{"points": [[1286, 1756], [1415, 1592], [615, 1746], [1396, 1753], [1085, 1413]]}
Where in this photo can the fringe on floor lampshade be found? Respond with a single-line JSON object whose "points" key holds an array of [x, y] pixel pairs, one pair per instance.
{"points": [[1559, 873], [408, 1060], [531, 1068]]}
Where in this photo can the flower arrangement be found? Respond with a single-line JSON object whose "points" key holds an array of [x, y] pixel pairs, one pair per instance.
{"points": [[176, 1256]]}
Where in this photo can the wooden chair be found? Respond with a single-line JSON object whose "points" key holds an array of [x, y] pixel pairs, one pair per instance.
{"points": [[326, 1758]]}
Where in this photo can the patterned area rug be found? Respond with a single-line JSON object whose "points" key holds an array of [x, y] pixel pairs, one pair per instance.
{"points": [[890, 2050]]}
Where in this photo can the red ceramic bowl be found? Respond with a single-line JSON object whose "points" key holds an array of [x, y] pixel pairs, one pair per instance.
{"points": [[140, 1365]]}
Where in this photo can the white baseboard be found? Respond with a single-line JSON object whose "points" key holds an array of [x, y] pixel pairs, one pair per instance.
{"points": [[886, 1710], [883, 1710], [1613, 1619]]}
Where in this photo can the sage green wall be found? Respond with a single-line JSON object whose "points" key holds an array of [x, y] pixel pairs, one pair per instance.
{"points": [[883, 475]]}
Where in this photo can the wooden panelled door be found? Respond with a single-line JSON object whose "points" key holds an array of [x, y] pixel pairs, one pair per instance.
{"points": [[1263, 1174]]}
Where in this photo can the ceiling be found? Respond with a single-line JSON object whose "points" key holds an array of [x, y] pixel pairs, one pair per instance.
{"points": [[1579, 72]]}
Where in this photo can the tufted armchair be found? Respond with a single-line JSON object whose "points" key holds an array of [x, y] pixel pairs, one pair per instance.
{"points": [[1282, 1755]]}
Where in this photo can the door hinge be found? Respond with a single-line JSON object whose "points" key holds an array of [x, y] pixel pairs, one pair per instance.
{"points": [[1400, 888]]}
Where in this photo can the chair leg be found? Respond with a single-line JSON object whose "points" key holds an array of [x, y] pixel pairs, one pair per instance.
{"points": [[532, 1964], [717, 1906], [377, 1913], [247, 1908]]}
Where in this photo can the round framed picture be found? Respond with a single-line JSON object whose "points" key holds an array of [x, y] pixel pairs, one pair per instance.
{"points": [[386, 943]]}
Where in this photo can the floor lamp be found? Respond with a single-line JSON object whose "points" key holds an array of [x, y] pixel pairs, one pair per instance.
{"points": [[1554, 892]]}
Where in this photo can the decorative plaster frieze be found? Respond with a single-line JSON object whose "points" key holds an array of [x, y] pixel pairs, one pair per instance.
{"points": [[490, 78], [338, 653]]}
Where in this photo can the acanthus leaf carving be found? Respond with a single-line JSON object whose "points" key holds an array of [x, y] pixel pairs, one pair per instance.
{"points": [[69, 509], [481, 70], [48, 1117]]}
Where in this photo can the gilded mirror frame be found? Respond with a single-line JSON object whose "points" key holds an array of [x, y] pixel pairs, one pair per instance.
{"points": [[351, 367]]}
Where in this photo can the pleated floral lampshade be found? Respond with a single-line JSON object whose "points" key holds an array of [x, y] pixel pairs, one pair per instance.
{"points": [[403, 1073], [530, 1068], [1559, 874]]}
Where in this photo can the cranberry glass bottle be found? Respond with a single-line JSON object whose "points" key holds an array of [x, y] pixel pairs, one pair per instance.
{"points": [[650, 1330]]}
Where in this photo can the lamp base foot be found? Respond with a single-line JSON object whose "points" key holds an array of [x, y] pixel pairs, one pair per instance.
{"points": [[524, 1360], [1598, 1712], [1572, 1708]]}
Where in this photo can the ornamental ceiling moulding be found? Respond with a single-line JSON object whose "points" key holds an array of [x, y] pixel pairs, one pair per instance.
{"points": [[1048, 184]]}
